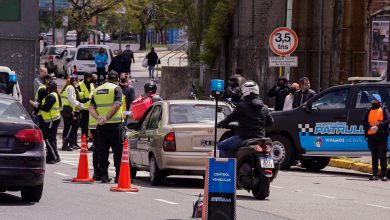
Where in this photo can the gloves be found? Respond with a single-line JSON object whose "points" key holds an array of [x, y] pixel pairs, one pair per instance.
{"points": [[101, 120], [35, 104], [374, 129]]}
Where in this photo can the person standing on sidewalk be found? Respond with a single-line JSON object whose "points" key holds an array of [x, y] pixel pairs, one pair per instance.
{"points": [[152, 62], [304, 94], [106, 108], [39, 80], [280, 90], [128, 58], [376, 130], [118, 63], [101, 60], [288, 101], [85, 89]]}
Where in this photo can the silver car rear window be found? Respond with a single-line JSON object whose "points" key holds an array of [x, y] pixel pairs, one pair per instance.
{"points": [[194, 113], [11, 109]]}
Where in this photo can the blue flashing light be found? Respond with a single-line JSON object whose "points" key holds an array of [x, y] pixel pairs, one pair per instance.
{"points": [[217, 85]]}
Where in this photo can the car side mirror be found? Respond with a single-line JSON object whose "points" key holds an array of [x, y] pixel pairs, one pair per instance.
{"points": [[132, 125]]}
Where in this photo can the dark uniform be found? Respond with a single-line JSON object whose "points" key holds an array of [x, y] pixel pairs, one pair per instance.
{"points": [[376, 125]]}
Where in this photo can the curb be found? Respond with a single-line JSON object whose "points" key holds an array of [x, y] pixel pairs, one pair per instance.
{"points": [[346, 164]]}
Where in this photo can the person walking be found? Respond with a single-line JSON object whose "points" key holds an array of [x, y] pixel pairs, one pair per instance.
{"points": [[288, 101], [118, 63], [105, 107], [304, 94], [152, 62], [50, 107], [128, 58], [85, 89], [280, 90], [101, 60], [376, 130], [71, 105]]}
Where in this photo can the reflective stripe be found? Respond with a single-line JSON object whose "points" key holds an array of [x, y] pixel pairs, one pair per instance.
{"points": [[52, 119], [92, 126], [65, 97], [104, 105], [115, 120], [59, 109]]}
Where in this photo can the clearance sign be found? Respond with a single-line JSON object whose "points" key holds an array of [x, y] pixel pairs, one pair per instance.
{"points": [[10, 10]]}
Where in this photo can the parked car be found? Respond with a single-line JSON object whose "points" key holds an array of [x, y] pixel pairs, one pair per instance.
{"points": [[327, 125], [22, 152], [107, 37], [84, 59], [174, 137], [9, 83], [63, 60], [48, 56]]}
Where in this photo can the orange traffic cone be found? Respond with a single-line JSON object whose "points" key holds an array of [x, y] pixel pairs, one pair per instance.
{"points": [[82, 171], [124, 183]]}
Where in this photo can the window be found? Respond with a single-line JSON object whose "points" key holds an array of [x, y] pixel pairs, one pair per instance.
{"points": [[332, 100], [10, 109], [88, 53], [56, 50], [154, 118], [364, 97], [193, 113], [145, 122]]}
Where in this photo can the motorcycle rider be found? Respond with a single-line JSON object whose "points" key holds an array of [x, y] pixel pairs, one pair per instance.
{"points": [[150, 88], [252, 116]]}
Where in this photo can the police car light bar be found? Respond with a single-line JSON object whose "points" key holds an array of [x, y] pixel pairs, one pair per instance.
{"points": [[356, 79]]}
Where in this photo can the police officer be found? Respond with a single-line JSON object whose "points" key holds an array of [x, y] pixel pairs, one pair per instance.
{"points": [[86, 88], [50, 108], [106, 108], [376, 124], [69, 113], [92, 126], [40, 94]]}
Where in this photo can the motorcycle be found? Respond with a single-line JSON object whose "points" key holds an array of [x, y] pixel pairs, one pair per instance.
{"points": [[256, 169]]}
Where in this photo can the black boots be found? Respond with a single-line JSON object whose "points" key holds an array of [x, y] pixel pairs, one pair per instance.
{"points": [[66, 145]]}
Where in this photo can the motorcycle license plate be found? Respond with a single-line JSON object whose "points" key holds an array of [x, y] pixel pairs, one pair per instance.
{"points": [[267, 162]]}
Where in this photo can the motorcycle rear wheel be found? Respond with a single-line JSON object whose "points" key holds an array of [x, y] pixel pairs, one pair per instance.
{"points": [[262, 190]]}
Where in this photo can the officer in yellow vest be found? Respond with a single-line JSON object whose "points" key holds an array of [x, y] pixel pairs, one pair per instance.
{"points": [[40, 94], [50, 108], [106, 108], [92, 126], [376, 126], [86, 89]]}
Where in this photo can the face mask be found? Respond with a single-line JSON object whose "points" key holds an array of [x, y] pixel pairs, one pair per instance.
{"points": [[123, 80], [376, 105], [293, 90]]}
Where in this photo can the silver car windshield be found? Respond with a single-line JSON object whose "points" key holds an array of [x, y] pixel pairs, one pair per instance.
{"points": [[193, 113]]}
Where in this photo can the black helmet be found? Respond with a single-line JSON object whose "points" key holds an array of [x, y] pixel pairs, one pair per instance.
{"points": [[150, 87], [52, 86]]}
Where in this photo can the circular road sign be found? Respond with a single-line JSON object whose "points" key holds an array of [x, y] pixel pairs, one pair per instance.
{"points": [[283, 41]]}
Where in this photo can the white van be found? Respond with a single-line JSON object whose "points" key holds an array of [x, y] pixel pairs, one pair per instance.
{"points": [[84, 59]]}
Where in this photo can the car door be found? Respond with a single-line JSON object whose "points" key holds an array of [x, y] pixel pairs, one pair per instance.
{"points": [[321, 124], [61, 61], [150, 136], [360, 104]]}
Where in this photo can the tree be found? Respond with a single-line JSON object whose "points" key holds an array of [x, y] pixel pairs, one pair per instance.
{"points": [[82, 11]]}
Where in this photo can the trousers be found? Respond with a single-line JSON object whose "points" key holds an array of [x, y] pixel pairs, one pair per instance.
{"points": [[378, 147], [228, 147], [50, 135], [84, 121]]}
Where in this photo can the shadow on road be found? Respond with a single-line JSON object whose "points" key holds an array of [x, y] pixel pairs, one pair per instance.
{"points": [[12, 200]]}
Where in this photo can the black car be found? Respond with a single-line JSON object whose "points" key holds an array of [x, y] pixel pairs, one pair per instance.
{"points": [[327, 125], [22, 153]]}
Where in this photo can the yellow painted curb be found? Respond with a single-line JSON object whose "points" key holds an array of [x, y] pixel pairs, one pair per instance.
{"points": [[346, 164]]}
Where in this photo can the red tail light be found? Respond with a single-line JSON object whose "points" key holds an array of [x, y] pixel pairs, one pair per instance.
{"points": [[264, 149], [169, 143], [50, 58], [29, 135], [74, 69]]}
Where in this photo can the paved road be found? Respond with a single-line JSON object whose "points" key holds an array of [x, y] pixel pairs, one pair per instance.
{"points": [[331, 194]]}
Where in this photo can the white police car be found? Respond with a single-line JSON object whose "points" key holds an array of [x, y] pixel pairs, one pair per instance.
{"points": [[327, 125], [9, 83]]}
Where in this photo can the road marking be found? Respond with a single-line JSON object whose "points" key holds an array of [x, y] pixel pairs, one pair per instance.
{"points": [[165, 201], [61, 174], [277, 187], [131, 193], [328, 197], [378, 206]]}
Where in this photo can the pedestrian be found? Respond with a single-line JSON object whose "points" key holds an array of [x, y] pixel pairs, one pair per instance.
{"points": [[304, 94], [85, 89], [118, 63], [128, 92], [152, 62], [50, 107], [240, 77], [128, 57], [101, 60], [376, 130], [288, 101], [70, 113], [38, 81], [232, 92], [280, 90], [105, 107]]}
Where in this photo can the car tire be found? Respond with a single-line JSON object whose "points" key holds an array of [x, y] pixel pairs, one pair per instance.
{"points": [[32, 193], [156, 176], [133, 172], [282, 151], [314, 163], [261, 192]]}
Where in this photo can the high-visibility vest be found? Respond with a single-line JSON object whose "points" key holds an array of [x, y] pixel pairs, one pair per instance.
{"points": [[92, 122], [375, 116], [124, 105], [54, 113], [65, 99], [104, 98], [85, 93], [43, 86]]}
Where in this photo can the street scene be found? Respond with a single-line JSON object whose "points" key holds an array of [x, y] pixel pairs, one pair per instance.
{"points": [[184, 109]]}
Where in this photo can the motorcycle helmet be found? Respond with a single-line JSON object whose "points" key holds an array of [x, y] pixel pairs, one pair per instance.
{"points": [[250, 87], [150, 87]]}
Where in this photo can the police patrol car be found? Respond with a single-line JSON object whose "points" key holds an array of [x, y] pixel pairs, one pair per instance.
{"points": [[9, 83], [327, 125]]}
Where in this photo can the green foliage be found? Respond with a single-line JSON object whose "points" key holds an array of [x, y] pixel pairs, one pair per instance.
{"points": [[217, 30]]}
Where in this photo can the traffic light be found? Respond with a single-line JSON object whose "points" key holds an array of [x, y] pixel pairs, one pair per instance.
{"points": [[103, 25]]}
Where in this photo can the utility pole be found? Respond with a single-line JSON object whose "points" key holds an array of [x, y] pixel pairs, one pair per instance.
{"points": [[320, 46], [53, 26]]}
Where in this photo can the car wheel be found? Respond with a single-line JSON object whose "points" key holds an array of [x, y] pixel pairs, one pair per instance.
{"points": [[156, 176], [315, 163], [133, 172], [32, 193], [282, 151]]}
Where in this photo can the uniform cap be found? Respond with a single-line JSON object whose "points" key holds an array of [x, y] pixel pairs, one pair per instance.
{"points": [[377, 97]]}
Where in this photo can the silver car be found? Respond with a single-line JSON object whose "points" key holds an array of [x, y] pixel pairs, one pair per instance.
{"points": [[174, 137]]}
